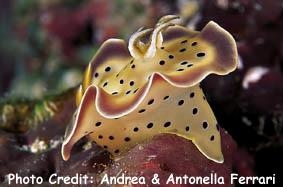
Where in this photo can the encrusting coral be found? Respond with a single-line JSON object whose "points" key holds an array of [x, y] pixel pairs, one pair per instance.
{"points": [[129, 95]]}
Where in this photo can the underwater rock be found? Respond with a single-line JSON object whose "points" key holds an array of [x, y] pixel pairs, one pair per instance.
{"points": [[27, 164], [262, 106], [93, 160], [265, 94], [244, 163], [166, 154], [9, 152]]}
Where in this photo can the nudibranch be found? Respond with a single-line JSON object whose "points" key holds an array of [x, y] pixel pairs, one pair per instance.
{"points": [[128, 95]]}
